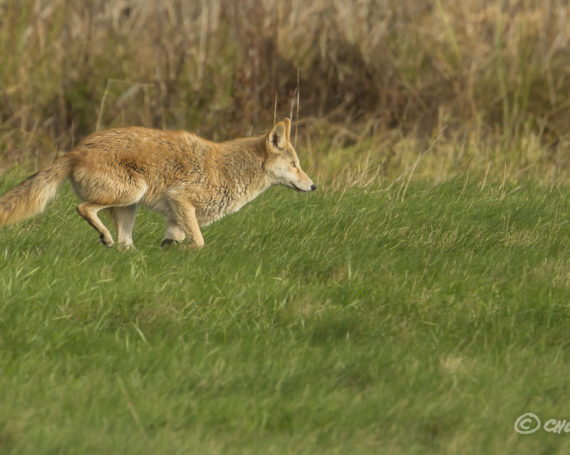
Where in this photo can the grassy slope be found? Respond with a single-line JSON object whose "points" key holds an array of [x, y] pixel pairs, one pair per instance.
{"points": [[353, 321]]}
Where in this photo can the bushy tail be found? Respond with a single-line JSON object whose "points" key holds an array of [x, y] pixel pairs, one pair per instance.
{"points": [[32, 195]]}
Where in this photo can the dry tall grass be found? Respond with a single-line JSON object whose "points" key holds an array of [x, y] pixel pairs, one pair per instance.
{"points": [[383, 84]]}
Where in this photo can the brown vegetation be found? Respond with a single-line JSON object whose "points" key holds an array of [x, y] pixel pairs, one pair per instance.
{"points": [[383, 84]]}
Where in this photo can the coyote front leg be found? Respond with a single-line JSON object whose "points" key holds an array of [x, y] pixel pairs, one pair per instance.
{"points": [[185, 215], [173, 234]]}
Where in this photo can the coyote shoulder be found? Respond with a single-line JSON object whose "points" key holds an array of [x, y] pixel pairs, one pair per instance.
{"points": [[189, 180]]}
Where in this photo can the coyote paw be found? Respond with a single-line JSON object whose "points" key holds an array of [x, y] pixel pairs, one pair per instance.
{"points": [[106, 240], [126, 247], [168, 242]]}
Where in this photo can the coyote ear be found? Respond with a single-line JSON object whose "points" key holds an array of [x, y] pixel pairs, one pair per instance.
{"points": [[277, 137], [287, 123]]}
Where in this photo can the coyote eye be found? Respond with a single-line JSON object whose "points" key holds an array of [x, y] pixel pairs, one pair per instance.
{"points": [[293, 164]]}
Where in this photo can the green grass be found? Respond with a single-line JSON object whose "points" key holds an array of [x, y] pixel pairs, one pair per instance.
{"points": [[343, 322]]}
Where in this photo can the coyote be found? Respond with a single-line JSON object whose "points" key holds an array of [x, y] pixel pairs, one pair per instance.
{"points": [[189, 180]]}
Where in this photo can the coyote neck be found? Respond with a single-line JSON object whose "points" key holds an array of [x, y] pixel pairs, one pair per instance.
{"points": [[243, 165], [241, 178]]}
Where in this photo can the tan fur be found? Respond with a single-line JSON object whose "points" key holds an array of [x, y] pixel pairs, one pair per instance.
{"points": [[189, 180]]}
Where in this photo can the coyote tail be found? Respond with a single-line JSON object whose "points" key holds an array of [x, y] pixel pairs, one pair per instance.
{"points": [[32, 195]]}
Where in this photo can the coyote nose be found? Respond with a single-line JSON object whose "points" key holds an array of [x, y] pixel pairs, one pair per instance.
{"points": [[313, 187]]}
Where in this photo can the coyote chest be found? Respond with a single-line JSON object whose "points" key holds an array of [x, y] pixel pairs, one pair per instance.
{"points": [[218, 201], [211, 209]]}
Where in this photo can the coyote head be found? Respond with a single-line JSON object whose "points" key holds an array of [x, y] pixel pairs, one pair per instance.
{"points": [[282, 164]]}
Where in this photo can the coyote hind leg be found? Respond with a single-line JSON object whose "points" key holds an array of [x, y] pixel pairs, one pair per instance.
{"points": [[88, 210], [124, 219]]}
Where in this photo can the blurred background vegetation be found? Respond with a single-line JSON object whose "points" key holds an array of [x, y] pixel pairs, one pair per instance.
{"points": [[477, 86]]}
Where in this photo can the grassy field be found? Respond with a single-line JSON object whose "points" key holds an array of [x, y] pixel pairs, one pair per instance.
{"points": [[419, 302], [419, 319]]}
